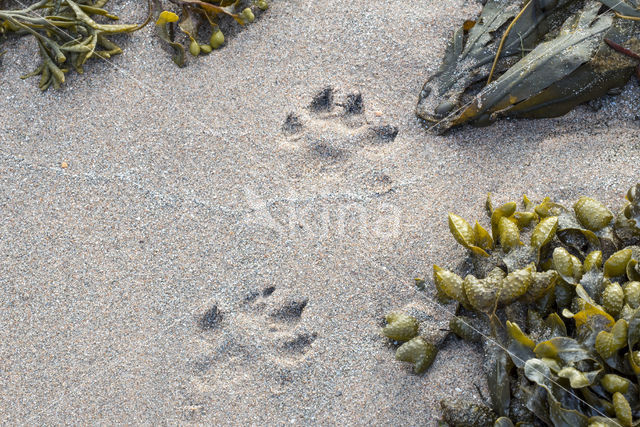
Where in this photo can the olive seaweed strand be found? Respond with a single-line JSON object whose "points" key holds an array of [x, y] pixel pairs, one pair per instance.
{"points": [[514, 356]]}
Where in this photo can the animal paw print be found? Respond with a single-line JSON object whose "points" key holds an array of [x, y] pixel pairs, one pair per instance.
{"points": [[281, 316], [333, 127], [267, 324], [265, 333]]}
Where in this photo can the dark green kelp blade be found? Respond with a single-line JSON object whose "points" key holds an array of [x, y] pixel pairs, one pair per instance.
{"points": [[469, 56], [572, 64]]}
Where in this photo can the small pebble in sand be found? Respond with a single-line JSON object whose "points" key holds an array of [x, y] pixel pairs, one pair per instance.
{"points": [[378, 113], [64, 165]]}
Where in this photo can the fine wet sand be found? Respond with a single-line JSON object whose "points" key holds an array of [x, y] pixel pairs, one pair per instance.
{"points": [[203, 258]]}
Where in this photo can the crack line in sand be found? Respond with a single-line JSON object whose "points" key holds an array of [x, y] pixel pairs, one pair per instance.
{"points": [[362, 197], [164, 198], [175, 200]]}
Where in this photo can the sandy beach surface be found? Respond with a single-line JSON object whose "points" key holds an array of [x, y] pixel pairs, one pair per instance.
{"points": [[201, 259]]}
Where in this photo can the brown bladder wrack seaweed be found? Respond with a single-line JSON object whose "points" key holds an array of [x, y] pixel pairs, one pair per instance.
{"points": [[69, 32], [194, 14]]}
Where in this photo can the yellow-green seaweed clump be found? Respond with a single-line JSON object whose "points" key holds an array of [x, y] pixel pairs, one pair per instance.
{"points": [[554, 300]]}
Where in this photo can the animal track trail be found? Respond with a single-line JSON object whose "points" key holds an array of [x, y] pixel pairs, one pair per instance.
{"points": [[265, 333], [332, 129]]}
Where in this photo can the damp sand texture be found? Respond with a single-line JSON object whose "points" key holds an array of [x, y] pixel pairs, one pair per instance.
{"points": [[206, 245]]}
